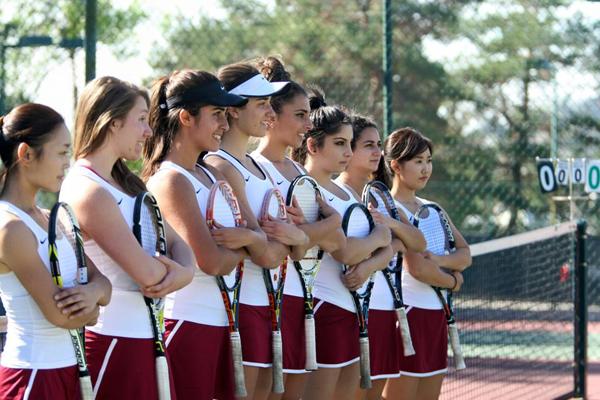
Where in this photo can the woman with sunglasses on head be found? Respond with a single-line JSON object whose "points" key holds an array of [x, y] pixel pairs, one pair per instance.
{"points": [[384, 343], [187, 117], [251, 183], [326, 150], [111, 126], [286, 131], [39, 361], [407, 167]]}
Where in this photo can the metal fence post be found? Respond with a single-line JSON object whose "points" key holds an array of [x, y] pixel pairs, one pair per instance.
{"points": [[581, 313], [91, 7], [387, 67]]}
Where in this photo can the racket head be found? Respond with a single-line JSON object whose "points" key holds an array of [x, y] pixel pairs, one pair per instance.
{"points": [[432, 222], [148, 225], [306, 191], [274, 206], [63, 225], [223, 209], [358, 223]]}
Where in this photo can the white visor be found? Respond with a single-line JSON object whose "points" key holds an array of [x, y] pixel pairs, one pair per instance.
{"points": [[258, 86]]}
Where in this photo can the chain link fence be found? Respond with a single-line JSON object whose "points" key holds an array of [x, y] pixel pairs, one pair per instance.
{"points": [[495, 84]]}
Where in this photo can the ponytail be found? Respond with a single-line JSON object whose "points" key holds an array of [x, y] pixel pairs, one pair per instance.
{"points": [[157, 146]]}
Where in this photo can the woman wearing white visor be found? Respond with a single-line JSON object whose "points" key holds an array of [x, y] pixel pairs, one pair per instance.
{"points": [[250, 184]]}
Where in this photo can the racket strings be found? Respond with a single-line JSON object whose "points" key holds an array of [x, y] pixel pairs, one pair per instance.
{"points": [[149, 229], [222, 210], [306, 198], [434, 233]]}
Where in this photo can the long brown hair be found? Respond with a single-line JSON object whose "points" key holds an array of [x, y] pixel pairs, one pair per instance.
{"points": [[102, 101], [28, 123], [164, 120], [403, 144]]}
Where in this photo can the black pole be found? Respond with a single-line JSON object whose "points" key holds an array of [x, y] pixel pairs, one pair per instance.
{"points": [[388, 122], [5, 32], [581, 315], [90, 39]]}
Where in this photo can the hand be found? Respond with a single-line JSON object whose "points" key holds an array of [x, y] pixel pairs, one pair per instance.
{"points": [[94, 317], [432, 257], [383, 234], [232, 238], [295, 213], [355, 276], [459, 280], [325, 209], [77, 301], [177, 277], [378, 217], [283, 232]]}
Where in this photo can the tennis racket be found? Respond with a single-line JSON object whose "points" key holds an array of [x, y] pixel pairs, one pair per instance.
{"points": [[223, 210], [274, 205], [432, 221], [357, 222], [63, 225], [377, 194], [306, 190], [149, 230]]}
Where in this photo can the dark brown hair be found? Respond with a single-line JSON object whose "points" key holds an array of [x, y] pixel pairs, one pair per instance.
{"points": [[359, 124], [164, 120], [403, 144], [326, 120], [28, 123], [273, 69], [102, 101]]}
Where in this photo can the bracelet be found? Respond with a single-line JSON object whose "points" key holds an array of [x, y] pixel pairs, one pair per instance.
{"points": [[455, 283]]}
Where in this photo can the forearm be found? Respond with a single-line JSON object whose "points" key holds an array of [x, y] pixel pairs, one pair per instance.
{"points": [[426, 271], [379, 260], [102, 288], [320, 231], [273, 255], [457, 261], [412, 237]]}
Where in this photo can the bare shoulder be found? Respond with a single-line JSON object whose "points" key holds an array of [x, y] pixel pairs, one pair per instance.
{"points": [[169, 181], [16, 239]]}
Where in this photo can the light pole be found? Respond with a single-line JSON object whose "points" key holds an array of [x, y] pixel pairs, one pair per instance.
{"points": [[26, 41]]}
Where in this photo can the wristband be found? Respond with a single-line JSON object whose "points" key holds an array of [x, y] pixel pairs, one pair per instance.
{"points": [[455, 283]]}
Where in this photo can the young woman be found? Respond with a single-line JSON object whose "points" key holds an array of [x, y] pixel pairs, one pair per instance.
{"points": [[187, 116], [326, 150], [111, 125], [407, 162], [250, 183], [38, 361], [383, 340], [285, 131]]}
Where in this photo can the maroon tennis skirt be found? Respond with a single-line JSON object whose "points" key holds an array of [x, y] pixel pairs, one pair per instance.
{"points": [[429, 334], [200, 355], [292, 333], [336, 332], [383, 344], [122, 368], [255, 331], [43, 384]]}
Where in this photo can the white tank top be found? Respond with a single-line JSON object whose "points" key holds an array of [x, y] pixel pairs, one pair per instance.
{"points": [[32, 342], [126, 315], [253, 291], [292, 280], [200, 301], [414, 292], [328, 284], [381, 297]]}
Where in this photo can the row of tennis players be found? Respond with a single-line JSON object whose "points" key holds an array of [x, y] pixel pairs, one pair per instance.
{"points": [[188, 114]]}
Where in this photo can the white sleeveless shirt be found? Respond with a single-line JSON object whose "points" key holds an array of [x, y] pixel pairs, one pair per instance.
{"points": [[253, 291], [292, 287], [328, 283], [32, 342], [126, 315], [200, 301], [414, 292]]}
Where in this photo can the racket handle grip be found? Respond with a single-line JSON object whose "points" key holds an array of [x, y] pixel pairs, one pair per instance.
{"points": [[238, 366], [162, 378], [310, 341], [277, 362], [407, 344], [85, 384], [365, 363], [459, 360]]}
